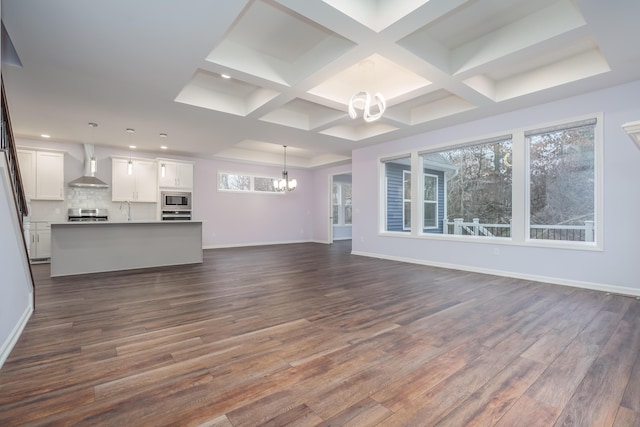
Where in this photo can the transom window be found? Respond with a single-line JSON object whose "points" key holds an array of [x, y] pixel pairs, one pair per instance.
{"points": [[228, 181]]}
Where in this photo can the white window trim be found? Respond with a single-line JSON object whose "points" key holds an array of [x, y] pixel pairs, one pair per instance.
{"points": [[520, 209], [404, 200]]}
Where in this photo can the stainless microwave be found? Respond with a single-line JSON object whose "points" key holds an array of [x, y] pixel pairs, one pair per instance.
{"points": [[175, 200]]}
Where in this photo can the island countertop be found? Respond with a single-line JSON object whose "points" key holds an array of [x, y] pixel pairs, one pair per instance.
{"points": [[142, 221], [79, 247]]}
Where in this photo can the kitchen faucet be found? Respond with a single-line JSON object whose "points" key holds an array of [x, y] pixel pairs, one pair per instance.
{"points": [[128, 209]]}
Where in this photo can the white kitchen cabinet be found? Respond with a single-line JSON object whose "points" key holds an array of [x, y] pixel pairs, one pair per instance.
{"points": [[39, 240], [139, 186], [175, 174], [42, 174]]}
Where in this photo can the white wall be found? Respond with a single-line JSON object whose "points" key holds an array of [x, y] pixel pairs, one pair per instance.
{"points": [[245, 219], [15, 284], [613, 269]]}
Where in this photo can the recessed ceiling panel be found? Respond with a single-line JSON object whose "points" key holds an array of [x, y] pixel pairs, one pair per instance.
{"points": [[303, 114], [374, 74], [266, 152], [488, 30], [541, 73], [359, 131], [429, 107], [274, 43], [377, 15], [212, 91]]}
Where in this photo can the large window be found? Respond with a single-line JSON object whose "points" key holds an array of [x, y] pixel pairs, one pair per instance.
{"points": [[537, 186], [341, 199], [477, 191], [562, 182]]}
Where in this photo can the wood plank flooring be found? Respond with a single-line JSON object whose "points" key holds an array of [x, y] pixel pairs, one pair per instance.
{"points": [[309, 335]]}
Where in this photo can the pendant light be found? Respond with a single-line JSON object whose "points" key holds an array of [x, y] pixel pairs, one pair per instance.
{"points": [[285, 184]]}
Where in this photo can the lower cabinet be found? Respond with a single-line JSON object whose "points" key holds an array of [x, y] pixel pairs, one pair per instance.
{"points": [[40, 240]]}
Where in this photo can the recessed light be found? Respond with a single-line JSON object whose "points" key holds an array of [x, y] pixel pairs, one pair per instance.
{"points": [[225, 76], [163, 147], [132, 147], [93, 125], [130, 130], [163, 135], [44, 135]]}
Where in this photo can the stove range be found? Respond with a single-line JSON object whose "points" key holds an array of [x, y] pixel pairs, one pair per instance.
{"points": [[83, 214]]}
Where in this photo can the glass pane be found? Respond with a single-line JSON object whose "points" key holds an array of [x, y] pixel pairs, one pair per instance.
{"points": [[407, 215], [477, 179], [430, 215], [263, 184], [347, 214], [234, 182], [430, 188], [336, 214], [562, 184], [395, 189], [407, 185]]}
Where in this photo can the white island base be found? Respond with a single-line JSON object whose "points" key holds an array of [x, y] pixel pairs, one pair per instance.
{"points": [[94, 247]]}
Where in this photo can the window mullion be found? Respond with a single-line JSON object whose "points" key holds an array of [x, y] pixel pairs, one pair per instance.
{"points": [[417, 202], [519, 188]]}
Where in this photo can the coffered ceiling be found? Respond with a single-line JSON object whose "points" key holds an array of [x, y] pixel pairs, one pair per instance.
{"points": [[157, 66]]}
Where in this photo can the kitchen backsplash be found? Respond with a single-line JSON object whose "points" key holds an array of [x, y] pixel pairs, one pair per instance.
{"points": [[56, 211]]}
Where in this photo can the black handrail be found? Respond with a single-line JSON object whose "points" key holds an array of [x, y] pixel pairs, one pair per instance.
{"points": [[8, 146]]}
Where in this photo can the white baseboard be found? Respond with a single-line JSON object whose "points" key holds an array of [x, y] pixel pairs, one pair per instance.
{"points": [[545, 279], [242, 245], [12, 339]]}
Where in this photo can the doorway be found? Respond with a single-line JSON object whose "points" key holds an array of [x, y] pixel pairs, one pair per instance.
{"points": [[340, 207]]}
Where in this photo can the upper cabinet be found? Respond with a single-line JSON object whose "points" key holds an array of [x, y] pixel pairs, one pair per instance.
{"points": [[135, 183], [42, 174], [175, 174]]}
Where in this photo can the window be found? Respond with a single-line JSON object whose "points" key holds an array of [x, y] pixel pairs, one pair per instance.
{"points": [[430, 199], [562, 182], [228, 181], [245, 183], [341, 203], [263, 184], [540, 186], [476, 182], [397, 193]]}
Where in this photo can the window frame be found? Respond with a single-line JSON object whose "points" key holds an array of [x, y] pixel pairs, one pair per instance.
{"points": [[520, 189], [405, 200], [252, 178]]}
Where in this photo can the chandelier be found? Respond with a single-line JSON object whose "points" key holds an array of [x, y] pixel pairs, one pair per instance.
{"points": [[372, 106], [363, 100], [285, 184]]}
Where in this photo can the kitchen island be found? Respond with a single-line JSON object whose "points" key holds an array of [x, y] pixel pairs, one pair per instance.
{"points": [[94, 247]]}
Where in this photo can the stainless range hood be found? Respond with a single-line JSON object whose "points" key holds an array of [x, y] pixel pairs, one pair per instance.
{"points": [[88, 180]]}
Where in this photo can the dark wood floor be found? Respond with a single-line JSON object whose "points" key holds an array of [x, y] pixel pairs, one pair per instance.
{"points": [[308, 335]]}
